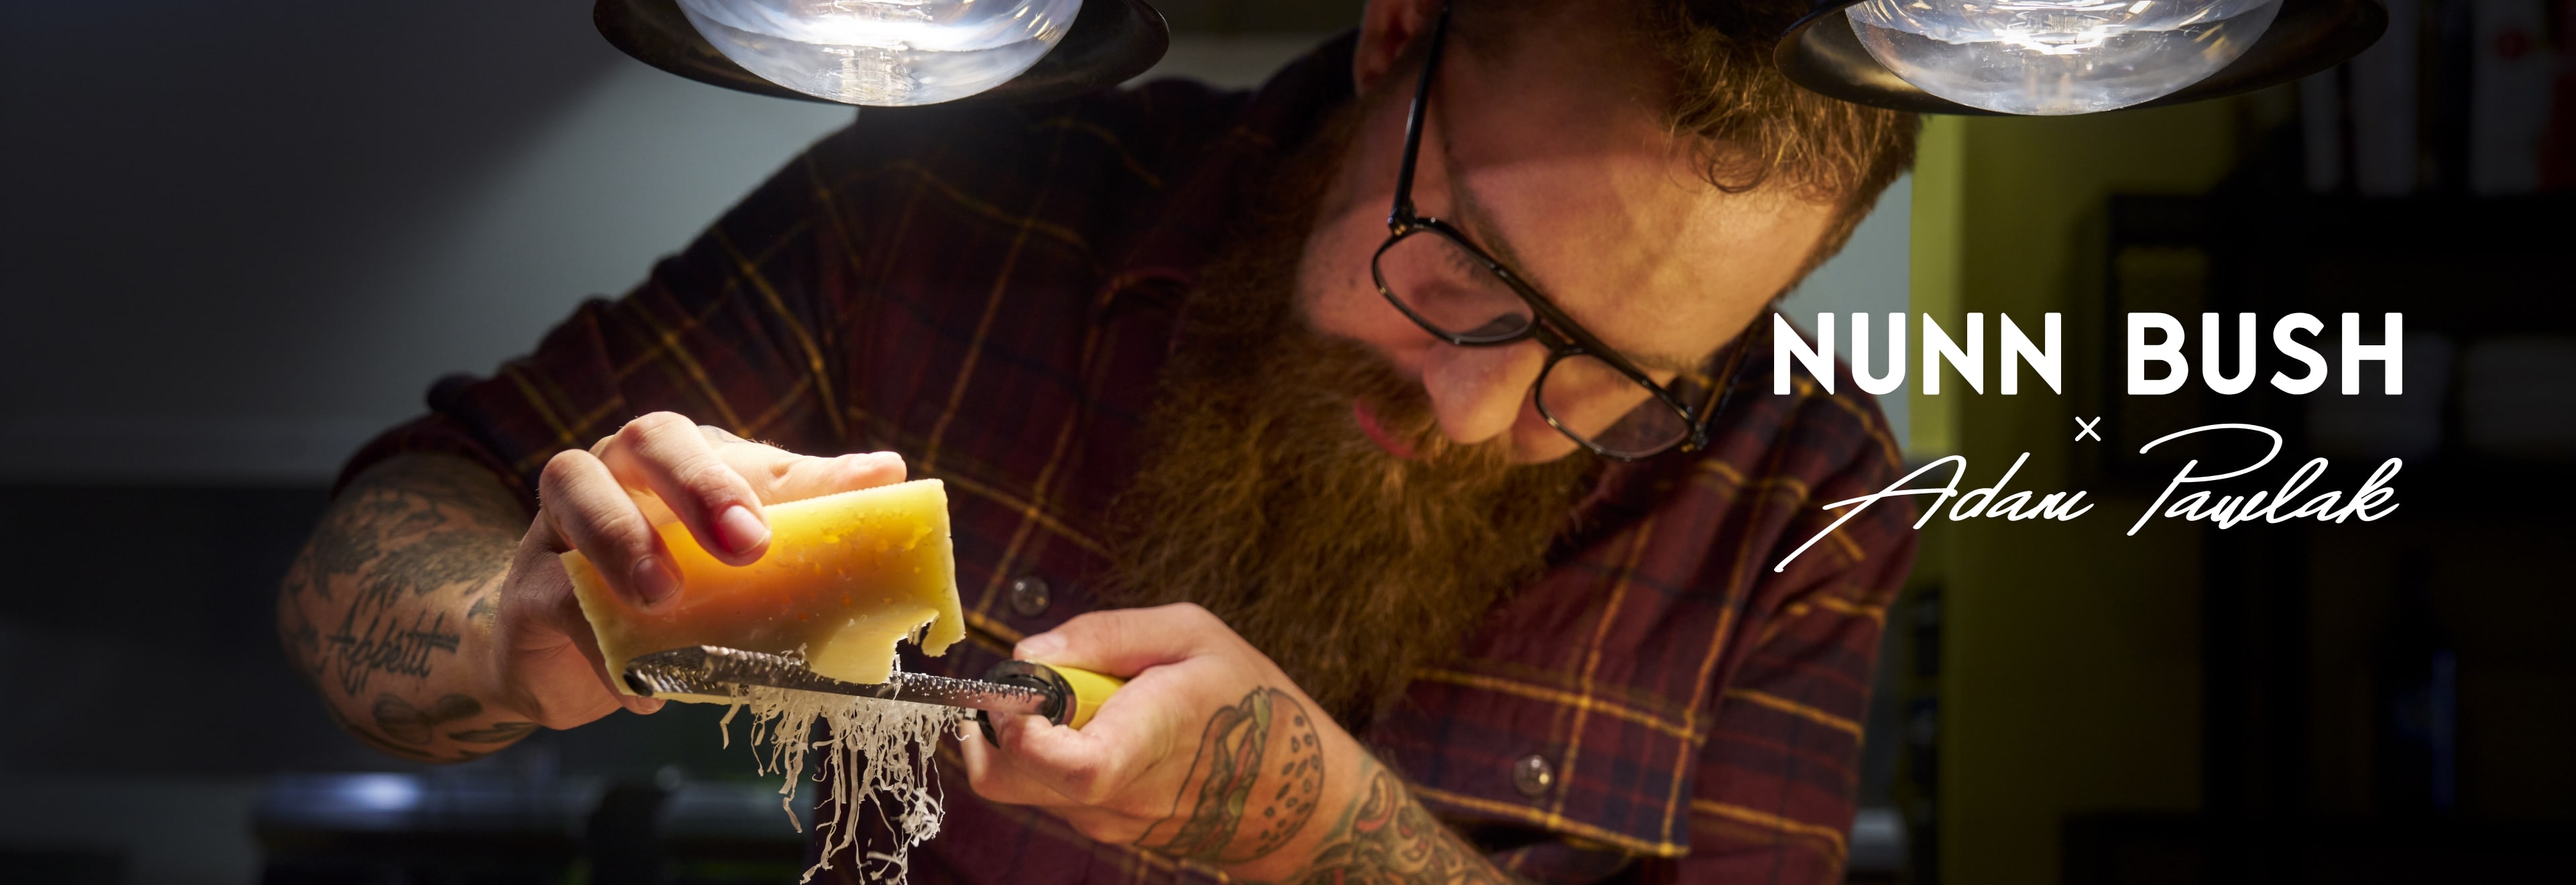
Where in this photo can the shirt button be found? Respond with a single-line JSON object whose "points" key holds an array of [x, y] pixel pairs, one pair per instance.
{"points": [[1029, 596], [1532, 775]]}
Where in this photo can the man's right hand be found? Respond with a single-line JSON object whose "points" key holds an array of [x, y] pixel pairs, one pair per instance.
{"points": [[605, 502], [431, 638]]}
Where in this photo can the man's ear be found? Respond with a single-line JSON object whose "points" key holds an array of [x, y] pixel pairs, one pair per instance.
{"points": [[1388, 30]]}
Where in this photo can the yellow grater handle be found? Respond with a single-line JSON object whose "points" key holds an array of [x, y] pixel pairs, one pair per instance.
{"points": [[1074, 694], [1086, 692]]}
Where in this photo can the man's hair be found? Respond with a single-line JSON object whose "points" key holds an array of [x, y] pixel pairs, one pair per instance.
{"points": [[1751, 126]]}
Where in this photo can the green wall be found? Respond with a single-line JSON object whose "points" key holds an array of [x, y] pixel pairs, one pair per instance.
{"points": [[2070, 670]]}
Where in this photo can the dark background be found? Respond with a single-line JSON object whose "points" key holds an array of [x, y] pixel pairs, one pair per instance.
{"points": [[241, 237]]}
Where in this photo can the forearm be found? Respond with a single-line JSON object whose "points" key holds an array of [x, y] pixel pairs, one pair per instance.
{"points": [[1319, 810], [1382, 835], [388, 610]]}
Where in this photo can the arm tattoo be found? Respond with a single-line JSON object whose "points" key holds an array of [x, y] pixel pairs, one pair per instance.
{"points": [[387, 746], [1386, 836], [402, 721], [495, 733], [1254, 784], [380, 596], [356, 602], [486, 611]]}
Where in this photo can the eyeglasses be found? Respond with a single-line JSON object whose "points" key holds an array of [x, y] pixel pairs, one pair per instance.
{"points": [[1454, 290]]}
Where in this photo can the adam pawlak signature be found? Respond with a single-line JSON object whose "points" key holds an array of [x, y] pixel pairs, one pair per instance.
{"points": [[2375, 499]]}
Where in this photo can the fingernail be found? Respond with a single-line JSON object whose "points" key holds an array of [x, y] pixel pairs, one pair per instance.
{"points": [[654, 581], [1043, 645], [740, 531]]}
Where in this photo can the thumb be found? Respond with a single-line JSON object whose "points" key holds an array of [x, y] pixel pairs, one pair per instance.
{"points": [[1124, 642]]}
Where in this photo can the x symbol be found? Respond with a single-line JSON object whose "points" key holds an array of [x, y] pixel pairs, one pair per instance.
{"points": [[2086, 429]]}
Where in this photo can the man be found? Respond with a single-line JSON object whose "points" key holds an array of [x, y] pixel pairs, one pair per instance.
{"points": [[1434, 547]]}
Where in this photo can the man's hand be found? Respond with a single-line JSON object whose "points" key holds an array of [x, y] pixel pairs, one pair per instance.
{"points": [[431, 638], [605, 502], [1211, 754]]}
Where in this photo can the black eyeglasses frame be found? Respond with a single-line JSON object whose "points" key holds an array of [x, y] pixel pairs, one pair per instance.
{"points": [[1554, 330]]}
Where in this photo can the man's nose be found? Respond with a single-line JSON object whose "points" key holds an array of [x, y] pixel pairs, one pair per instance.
{"points": [[1476, 392]]}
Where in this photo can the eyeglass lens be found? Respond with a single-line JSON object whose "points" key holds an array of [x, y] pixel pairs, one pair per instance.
{"points": [[1578, 390], [1452, 292]]}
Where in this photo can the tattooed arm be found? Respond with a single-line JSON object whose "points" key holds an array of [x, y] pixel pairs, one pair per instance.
{"points": [[1384, 835], [1211, 754], [1251, 808], [393, 593], [434, 614], [1255, 784]]}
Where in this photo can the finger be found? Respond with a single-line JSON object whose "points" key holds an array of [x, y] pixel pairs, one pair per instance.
{"points": [[592, 513], [1125, 642], [779, 475], [577, 628], [1085, 766], [1128, 733], [581, 641], [993, 776], [549, 659], [669, 455]]}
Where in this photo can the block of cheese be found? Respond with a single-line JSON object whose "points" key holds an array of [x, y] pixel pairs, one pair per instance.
{"points": [[844, 577]]}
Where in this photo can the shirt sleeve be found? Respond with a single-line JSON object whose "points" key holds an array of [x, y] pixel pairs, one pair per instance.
{"points": [[1776, 790], [737, 331]]}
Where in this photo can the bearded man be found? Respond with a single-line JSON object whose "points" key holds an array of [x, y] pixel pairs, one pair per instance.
{"points": [[1393, 428]]}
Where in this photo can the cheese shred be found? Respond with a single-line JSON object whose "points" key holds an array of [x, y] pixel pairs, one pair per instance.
{"points": [[873, 752]]}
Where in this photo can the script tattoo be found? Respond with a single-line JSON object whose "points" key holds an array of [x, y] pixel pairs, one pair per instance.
{"points": [[1254, 784], [1387, 837], [403, 533], [388, 647], [383, 590]]}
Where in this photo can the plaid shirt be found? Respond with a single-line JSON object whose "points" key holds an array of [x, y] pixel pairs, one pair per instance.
{"points": [[992, 290]]}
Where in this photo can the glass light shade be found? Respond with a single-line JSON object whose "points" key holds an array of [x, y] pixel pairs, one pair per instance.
{"points": [[884, 52], [2054, 57]]}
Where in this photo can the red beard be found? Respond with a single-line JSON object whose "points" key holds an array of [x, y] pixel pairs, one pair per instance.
{"points": [[1264, 502]]}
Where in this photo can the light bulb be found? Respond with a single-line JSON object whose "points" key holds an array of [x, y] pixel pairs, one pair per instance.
{"points": [[884, 52], [2053, 57]]}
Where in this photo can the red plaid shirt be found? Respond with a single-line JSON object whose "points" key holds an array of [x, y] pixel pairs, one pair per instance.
{"points": [[991, 291]]}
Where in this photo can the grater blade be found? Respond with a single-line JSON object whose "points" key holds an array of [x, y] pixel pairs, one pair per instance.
{"points": [[717, 670]]}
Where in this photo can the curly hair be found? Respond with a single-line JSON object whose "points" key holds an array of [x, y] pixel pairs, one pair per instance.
{"points": [[1750, 126]]}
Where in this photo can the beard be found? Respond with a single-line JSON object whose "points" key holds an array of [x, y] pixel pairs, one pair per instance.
{"points": [[1263, 501]]}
